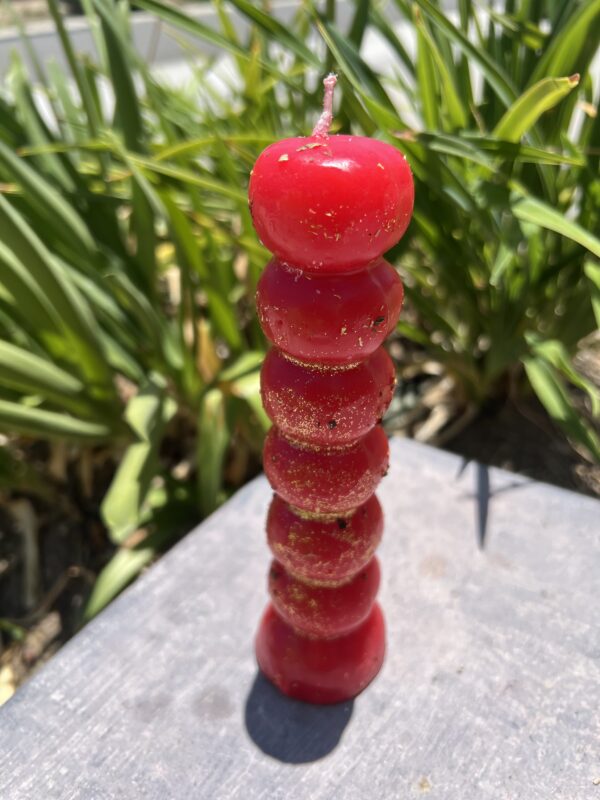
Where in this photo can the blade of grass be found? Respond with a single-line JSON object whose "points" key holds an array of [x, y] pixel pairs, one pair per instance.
{"points": [[147, 415], [35, 127], [362, 77], [66, 300], [555, 353], [482, 149], [592, 272], [41, 424], [220, 43], [213, 439], [91, 115], [524, 112], [124, 566], [121, 59], [188, 177], [552, 393], [494, 75], [360, 22], [170, 514], [530, 209], [121, 62], [563, 51], [457, 114], [426, 77], [27, 372], [279, 32], [48, 203], [31, 303]]}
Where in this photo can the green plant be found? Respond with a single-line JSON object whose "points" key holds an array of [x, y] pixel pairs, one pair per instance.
{"points": [[128, 261], [128, 266], [500, 268]]}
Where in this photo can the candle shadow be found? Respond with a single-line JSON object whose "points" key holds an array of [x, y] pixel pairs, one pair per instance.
{"points": [[484, 494], [289, 730]]}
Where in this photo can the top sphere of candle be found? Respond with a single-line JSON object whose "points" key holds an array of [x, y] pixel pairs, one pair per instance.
{"points": [[330, 203]]}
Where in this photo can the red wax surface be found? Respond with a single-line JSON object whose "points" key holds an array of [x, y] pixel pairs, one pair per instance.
{"points": [[326, 408], [330, 204], [324, 611], [330, 320], [324, 550], [320, 670], [326, 481]]}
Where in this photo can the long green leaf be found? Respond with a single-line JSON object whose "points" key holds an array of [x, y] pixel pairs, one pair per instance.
{"points": [[41, 424], [185, 241], [224, 318], [524, 112], [426, 76], [480, 150], [188, 177], [213, 439], [563, 51], [65, 299], [555, 353], [147, 414], [360, 22], [91, 115], [35, 127], [27, 372], [524, 153], [129, 118], [530, 209], [48, 203], [185, 22], [592, 272], [552, 394], [281, 34], [121, 63], [170, 513], [492, 71], [125, 565], [218, 43], [450, 97], [30, 302], [361, 76]]}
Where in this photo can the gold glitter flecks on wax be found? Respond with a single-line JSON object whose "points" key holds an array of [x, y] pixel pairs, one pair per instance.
{"points": [[320, 516], [329, 584], [320, 367], [310, 146], [313, 448]]}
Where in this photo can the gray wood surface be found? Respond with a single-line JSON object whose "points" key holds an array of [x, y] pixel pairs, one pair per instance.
{"points": [[490, 688]]}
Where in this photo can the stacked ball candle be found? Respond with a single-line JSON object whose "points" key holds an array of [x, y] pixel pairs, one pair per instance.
{"points": [[328, 207]]}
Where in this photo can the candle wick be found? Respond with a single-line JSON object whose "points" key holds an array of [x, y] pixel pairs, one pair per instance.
{"points": [[321, 129]]}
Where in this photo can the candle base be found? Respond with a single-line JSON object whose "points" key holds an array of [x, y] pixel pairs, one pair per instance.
{"points": [[321, 671]]}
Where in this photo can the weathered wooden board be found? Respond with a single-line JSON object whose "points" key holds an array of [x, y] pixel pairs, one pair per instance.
{"points": [[491, 687]]}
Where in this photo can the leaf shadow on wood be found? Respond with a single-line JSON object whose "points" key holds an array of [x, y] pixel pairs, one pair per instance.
{"points": [[289, 730]]}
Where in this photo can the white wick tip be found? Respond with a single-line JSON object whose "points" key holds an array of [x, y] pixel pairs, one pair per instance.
{"points": [[321, 129]]}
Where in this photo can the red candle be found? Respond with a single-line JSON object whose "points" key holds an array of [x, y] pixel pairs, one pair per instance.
{"points": [[328, 207]]}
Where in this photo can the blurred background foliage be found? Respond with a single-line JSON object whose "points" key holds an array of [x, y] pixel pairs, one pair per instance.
{"points": [[129, 345]]}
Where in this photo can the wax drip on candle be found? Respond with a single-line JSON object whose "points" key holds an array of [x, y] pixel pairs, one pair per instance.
{"points": [[321, 129]]}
